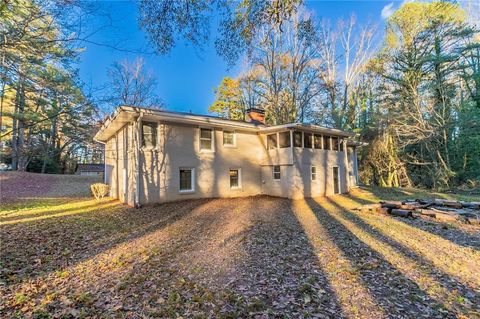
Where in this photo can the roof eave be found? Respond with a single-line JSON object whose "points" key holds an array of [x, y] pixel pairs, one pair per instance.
{"points": [[132, 112], [310, 127]]}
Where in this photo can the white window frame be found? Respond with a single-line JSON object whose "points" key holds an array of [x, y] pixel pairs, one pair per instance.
{"points": [[192, 180], [313, 174], [144, 147], [239, 177], [279, 172], [212, 148], [234, 139]]}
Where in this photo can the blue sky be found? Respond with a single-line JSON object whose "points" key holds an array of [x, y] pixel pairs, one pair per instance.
{"points": [[186, 78]]}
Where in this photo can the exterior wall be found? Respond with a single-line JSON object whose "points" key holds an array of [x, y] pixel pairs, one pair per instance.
{"points": [[281, 187], [296, 179], [178, 147], [324, 161], [120, 165], [111, 165]]}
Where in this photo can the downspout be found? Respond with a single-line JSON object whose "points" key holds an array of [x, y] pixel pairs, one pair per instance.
{"points": [[345, 158], [137, 151], [104, 159]]}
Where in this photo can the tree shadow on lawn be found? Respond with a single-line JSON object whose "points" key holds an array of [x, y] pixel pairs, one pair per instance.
{"points": [[280, 273], [229, 258], [37, 248], [448, 231], [392, 291], [247, 256], [455, 290]]}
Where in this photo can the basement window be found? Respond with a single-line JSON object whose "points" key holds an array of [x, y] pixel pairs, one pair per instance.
{"points": [[235, 179], [276, 172], [187, 180], [149, 134], [313, 172]]}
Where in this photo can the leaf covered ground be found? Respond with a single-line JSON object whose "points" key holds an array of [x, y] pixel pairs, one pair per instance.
{"points": [[258, 257]]}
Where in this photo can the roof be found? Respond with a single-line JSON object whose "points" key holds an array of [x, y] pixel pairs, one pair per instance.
{"points": [[128, 114], [90, 167]]}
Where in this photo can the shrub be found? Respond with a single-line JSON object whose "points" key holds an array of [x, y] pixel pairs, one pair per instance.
{"points": [[99, 190]]}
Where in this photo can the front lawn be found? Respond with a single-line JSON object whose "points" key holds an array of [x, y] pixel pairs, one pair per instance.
{"points": [[245, 257]]}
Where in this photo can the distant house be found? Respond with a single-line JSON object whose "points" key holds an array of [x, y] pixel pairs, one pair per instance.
{"points": [[90, 169], [157, 156]]}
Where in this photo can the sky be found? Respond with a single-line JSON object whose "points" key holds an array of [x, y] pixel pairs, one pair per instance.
{"points": [[186, 77]]}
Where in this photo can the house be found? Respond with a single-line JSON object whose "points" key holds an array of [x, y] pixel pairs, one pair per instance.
{"points": [[156, 156], [90, 169]]}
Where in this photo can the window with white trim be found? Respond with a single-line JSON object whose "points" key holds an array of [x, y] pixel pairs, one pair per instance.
{"points": [[206, 139], [149, 134], [235, 178], [187, 180], [228, 138], [276, 172], [313, 173]]}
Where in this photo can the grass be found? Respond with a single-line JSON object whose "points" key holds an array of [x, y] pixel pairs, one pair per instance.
{"points": [[273, 257]]}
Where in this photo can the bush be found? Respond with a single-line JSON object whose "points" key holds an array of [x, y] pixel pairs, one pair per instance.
{"points": [[99, 190]]}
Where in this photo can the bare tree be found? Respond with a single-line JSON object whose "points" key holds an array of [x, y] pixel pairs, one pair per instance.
{"points": [[356, 43], [287, 77], [131, 84]]}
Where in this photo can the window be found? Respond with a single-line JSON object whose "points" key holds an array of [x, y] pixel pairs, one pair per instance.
{"points": [[149, 134], [187, 180], [317, 141], [276, 172], [272, 141], [326, 142], [206, 139], [340, 144], [307, 140], [284, 139], [229, 138], [313, 173], [235, 179], [335, 143], [297, 139]]}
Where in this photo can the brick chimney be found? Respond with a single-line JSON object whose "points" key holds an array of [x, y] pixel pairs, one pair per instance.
{"points": [[255, 116]]}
